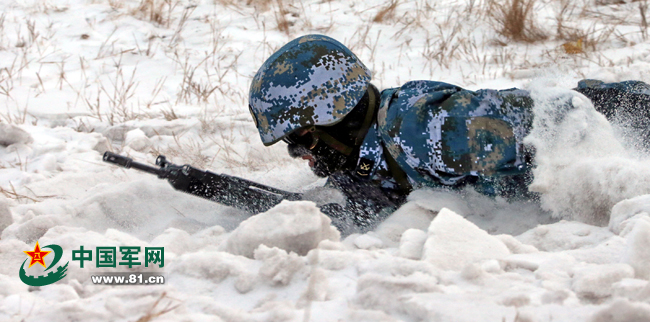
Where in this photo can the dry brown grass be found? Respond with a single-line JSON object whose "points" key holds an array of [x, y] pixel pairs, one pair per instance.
{"points": [[643, 9], [157, 11], [156, 311], [193, 87], [514, 20], [175, 39], [116, 4], [566, 10], [387, 12], [571, 20], [281, 17], [3, 17], [442, 46], [185, 150], [116, 97], [169, 114], [19, 118], [588, 39], [281, 10], [152, 10], [11, 193]]}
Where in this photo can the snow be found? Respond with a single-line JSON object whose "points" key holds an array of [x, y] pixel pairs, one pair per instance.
{"points": [[5, 213], [137, 140], [596, 280], [78, 78], [624, 311], [294, 226], [628, 211], [412, 243], [454, 242], [12, 134], [583, 169], [366, 241], [637, 253]]}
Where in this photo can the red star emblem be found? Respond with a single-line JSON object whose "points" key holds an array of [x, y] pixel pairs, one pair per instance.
{"points": [[37, 256]]}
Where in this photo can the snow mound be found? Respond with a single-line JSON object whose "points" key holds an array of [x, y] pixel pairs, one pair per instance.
{"points": [[5, 214], [278, 266], [296, 226], [409, 216], [386, 293], [216, 267], [34, 228], [367, 241], [137, 140], [627, 209], [454, 242], [175, 240], [411, 244], [630, 288], [11, 134], [494, 215], [596, 281], [637, 253], [147, 207], [623, 311], [564, 235]]}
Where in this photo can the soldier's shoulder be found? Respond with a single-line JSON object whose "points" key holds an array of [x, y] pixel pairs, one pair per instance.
{"points": [[409, 93], [424, 86]]}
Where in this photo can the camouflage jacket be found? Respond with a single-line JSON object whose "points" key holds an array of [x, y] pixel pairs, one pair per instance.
{"points": [[441, 135]]}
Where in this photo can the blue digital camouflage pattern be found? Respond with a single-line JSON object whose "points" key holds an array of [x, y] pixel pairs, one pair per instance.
{"points": [[635, 87], [312, 80], [439, 134]]}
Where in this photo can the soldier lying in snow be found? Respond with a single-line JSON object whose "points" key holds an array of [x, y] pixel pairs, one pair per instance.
{"points": [[376, 147]]}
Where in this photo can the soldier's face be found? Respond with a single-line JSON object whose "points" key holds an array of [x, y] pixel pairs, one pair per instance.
{"points": [[323, 159]]}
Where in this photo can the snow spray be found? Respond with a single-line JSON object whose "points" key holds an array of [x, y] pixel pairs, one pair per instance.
{"points": [[583, 164]]}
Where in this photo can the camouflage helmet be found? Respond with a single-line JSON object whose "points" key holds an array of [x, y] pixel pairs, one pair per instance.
{"points": [[312, 80]]}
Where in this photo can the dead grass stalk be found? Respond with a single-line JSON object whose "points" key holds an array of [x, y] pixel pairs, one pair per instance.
{"points": [[514, 19], [281, 17], [387, 12], [152, 313]]}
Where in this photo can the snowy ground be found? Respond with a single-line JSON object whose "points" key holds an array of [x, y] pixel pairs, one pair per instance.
{"points": [[171, 77]]}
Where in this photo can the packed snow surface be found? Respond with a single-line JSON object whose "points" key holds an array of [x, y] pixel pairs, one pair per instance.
{"points": [[143, 78]]}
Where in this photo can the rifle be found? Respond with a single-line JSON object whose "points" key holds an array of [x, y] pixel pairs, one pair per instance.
{"points": [[366, 204], [231, 191]]}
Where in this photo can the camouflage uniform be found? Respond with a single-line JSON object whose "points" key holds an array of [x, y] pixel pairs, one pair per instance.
{"points": [[626, 103], [442, 135], [426, 133]]}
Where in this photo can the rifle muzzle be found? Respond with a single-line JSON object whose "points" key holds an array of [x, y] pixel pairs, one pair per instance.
{"points": [[125, 162], [120, 160]]}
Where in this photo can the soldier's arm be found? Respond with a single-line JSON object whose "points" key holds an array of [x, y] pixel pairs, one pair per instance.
{"points": [[367, 203]]}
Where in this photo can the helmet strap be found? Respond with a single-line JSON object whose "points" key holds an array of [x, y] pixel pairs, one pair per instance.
{"points": [[370, 113], [320, 135]]}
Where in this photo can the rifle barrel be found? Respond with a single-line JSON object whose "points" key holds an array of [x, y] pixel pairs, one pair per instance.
{"points": [[127, 163]]}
